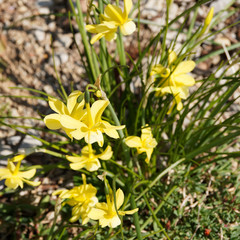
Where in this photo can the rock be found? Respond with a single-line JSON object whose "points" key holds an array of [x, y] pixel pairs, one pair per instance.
{"points": [[39, 35], [63, 40], [29, 142], [220, 5], [63, 57]]}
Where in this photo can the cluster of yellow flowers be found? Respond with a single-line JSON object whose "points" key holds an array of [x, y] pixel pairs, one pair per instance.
{"points": [[86, 206], [80, 120]]}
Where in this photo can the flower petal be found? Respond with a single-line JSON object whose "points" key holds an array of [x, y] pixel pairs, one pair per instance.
{"points": [[14, 182], [114, 13], [96, 213], [31, 183], [128, 28], [70, 122], [72, 100], [119, 198], [27, 174], [133, 142], [111, 35], [78, 134], [184, 80], [96, 38], [127, 8], [106, 154], [97, 109], [57, 106], [52, 121], [184, 67], [171, 57]]}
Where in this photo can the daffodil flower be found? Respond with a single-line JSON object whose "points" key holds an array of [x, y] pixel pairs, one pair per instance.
{"points": [[113, 18], [174, 79], [14, 177], [81, 198], [89, 160], [146, 143], [91, 127], [68, 114], [107, 213]]}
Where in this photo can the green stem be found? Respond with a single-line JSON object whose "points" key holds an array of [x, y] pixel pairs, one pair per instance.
{"points": [[80, 22], [127, 156]]}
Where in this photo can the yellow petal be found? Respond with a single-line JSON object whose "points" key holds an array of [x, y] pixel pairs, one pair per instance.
{"points": [[14, 182], [74, 159], [96, 38], [131, 211], [128, 28], [95, 136], [119, 198], [27, 174], [94, 165], [111, 35], [77, 165], [171, 57], [52, 121], [78, 134], [97, 109], [72, 100], [5, 173], [127, 8], [57, 106], [34, 184], [133, 142], [70, 123], [184, 67], [149, 154], [184, 80], [96, 213], [114, 13], [114, 222], [18, 158], [106, 154]]}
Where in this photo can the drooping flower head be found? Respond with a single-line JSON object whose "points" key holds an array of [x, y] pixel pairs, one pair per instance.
{"points": [[81, 198], [107, 213], [14, 177], [146, 143], [88, 159], [113, 18], [71, 112], [174, 79]]}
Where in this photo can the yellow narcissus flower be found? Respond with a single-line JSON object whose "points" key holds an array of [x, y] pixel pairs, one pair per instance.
{"points": [[144, 144], [14, 177], [68, 114], [88, 159], [107, 214], [91, 127], [113, 18], [81, 198], [174, 80]]}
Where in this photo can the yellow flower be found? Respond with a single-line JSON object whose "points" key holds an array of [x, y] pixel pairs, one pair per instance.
{"points": [[107, 214], [92, 127], [113, 18], [68, 114], [14, 177], [88, 159], [81, 198], [144, 144], [174, 80]]}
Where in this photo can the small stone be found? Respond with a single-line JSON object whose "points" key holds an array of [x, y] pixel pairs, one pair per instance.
{"points": [[39, 35], [63, 57], [14, 140]]}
